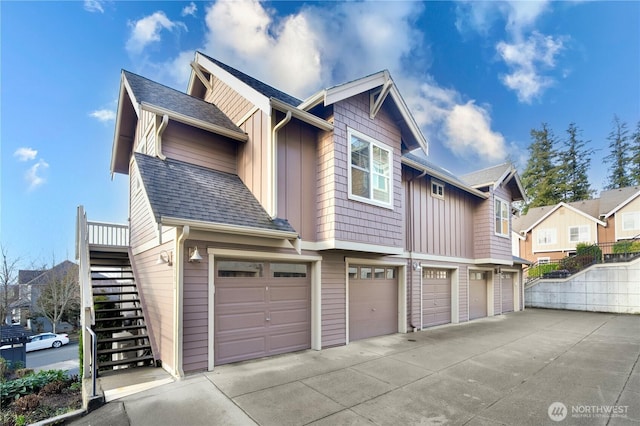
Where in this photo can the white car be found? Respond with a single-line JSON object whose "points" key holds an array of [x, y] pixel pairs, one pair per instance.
{"points": [[46, 340]]}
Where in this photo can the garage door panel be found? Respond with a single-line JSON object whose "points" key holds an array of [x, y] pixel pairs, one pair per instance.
{"points": [[477, 295], [436, 297], [240, 322], [373, 304], [261, 315], [507, 292]]}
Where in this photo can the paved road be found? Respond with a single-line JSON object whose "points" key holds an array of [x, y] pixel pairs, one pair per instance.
{"points": [[63, 358]]}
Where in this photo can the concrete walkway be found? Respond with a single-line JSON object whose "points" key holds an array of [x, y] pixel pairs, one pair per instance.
{"points": [[508, 369]]}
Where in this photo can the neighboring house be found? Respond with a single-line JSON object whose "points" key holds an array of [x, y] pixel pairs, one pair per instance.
{"points": [[550, 233], [30, 284], [262, 224]]}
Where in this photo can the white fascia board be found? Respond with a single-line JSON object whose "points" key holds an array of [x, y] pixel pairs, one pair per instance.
{"points": [[195, 122], [228, 229], [440, 176], [301, 115], [353, 88], [622, 204], [124, 88], [573, 209], [334, 244], [408, 118], [517, 234], [246, 91], [313, 100]]}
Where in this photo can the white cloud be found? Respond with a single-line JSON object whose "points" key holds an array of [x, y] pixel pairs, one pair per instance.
{"points": [[526, 59], [320, 46], [25, 154], [103, 115], [147, 30], [190, 9], [94, 6], [34, 174]]}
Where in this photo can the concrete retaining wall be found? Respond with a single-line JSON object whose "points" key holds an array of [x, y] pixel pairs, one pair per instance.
{"points": [[602, 288]]}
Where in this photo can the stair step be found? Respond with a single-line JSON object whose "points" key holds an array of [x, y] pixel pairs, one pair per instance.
{"points": [[123, 338], [122, 350], [125, 361], [131, 278], [115, 293], [131, 318], [115, 270], [104, 311], [118, 329]]}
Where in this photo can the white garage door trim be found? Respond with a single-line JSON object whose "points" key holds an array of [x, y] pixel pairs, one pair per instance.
{"points": [[402, 289], [316, 301], [517, 293]]}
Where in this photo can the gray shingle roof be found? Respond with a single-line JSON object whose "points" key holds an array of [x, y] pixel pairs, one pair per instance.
{"points": [[487, 176], [609, 200], [156, 94], [186, 191], [444, 172], [265, 89]]}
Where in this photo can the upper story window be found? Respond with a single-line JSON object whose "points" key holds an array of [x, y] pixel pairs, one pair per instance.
{"points": [[437, 189], [579, 234], [370, 172], [546, 236], [630, 221], [502, 217]]}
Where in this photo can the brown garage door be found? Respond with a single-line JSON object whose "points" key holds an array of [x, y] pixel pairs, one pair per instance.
{"points": [[507, 292], [261, 309], [477, 294], [436, 297], [373, 301]]}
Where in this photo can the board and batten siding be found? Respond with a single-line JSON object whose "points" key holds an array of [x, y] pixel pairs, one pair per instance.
{"points": [[414, 295], [155, 286], [442, 227], [333, 278], [297, 178], [142, 224], [353, 220], [195, 146], [195, 326]]}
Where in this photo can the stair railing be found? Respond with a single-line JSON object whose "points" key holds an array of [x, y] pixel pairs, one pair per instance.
{"points": [[87, 313]]}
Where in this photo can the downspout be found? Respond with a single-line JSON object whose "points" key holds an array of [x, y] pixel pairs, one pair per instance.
{"points": [[178, 292], [159, 132], [274, 162], [411, 241]]}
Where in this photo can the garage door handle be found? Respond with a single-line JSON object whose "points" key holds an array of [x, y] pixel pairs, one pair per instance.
{"points": [[373, 309], [267, 319]]}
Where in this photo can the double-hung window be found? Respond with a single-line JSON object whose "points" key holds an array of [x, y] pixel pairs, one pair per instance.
{"points": [[370, 171], [579, 234], [546, 236], [502, 217], [631, 221]]}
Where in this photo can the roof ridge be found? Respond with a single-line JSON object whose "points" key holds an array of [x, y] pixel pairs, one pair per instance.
{"points": [[506, 163]]}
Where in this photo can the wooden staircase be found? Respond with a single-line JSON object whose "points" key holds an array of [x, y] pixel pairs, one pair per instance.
{"points": [[120, 325]]}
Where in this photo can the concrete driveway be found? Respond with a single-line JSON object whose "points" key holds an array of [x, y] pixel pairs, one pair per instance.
{"points": [[525, 368]]}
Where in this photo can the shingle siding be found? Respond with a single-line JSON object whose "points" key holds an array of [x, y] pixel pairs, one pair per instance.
{"points": [[333, 277], [196, 312]]}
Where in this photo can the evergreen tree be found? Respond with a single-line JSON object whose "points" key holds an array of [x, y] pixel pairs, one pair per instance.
{"points": [[635, 156], [619, 157], [540, 177], [575, 161]]}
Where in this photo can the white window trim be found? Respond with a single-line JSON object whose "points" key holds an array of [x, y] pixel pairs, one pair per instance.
{"points": [[500, 234], [440, 185], [380, 145], [636, 221], [579, 240], [544, 260], [554, 239]]}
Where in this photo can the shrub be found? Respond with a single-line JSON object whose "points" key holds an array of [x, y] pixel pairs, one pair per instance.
{"points": [[541, 269], [53, 388], [14, 389], [23, 372], [4, 368], [27, 403], [626, 246], [585, 249]]}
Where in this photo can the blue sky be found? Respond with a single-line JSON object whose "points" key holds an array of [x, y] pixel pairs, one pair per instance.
{"points": [[478, 77]]}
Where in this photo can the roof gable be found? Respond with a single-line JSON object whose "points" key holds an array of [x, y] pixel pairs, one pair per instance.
{"points": [[502, 174], [546, 212], [184, 191], [615, 199]]}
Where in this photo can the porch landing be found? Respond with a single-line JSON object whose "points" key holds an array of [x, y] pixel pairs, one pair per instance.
{"points": [[117, 384]]}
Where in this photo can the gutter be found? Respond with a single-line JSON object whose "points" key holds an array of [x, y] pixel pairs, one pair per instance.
{"points": [[443, 178], [301, 115], [228, 229], [274, 162], [223, 131]]}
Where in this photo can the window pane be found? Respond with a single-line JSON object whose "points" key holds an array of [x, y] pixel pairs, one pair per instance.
{"points": [[378, 273], [359, 183], [365, 273], [288, 270], [240, 269], [391, 273], [353, 272], [359, 153], [380, 161]]}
